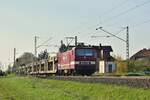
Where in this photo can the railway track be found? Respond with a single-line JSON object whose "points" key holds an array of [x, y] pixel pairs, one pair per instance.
{"points": [[136, 82]]}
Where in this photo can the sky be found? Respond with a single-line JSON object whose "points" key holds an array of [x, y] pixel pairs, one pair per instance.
{"points": [[21, 20]]}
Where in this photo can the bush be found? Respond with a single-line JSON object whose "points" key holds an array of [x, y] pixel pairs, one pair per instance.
{"points": [[121, 67], [136, 66], [135, 74]]}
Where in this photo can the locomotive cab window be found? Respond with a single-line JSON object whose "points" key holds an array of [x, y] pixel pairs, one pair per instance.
{"points": [[85, 52]]}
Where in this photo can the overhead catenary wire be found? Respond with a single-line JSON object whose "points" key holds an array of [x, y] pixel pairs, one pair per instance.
{"points": [[44, 42], [122, 13], [110, 10], [93, 26], [107, 36], [115, 7], [118, 15], [127, 11], [141, 23]]}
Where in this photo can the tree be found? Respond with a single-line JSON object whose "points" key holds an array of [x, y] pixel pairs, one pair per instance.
{"points": [[121, 65], [9, 70], [138, 65], [63, 47], [24, 59], [43, 55]]}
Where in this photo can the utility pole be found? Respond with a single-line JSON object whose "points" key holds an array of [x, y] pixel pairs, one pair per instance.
{"points": [[127, 43], [14, 57], [35, 46], [127, 46]]}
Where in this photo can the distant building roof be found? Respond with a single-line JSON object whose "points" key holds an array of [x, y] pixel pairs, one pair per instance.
{"points": [[144, 53]]}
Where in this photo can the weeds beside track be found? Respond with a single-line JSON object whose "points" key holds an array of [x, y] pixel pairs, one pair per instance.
{"points": [[138, 82]]}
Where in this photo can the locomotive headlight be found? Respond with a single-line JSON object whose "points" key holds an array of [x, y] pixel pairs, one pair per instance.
{"points": [[92, 62]]}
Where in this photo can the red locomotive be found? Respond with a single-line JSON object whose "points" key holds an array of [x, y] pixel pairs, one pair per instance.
{"points": [[79, 60]]}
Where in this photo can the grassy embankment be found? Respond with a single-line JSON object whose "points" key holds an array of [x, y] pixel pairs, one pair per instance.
{"points": [[27, 88]]}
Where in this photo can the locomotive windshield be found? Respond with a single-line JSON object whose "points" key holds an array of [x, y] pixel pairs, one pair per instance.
{"points": [[85, 52]]}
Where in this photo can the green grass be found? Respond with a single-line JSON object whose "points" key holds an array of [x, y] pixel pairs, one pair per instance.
{"points": [[29, 88]]}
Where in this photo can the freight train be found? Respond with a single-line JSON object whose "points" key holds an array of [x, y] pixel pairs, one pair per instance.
{"points": [[77, 60]]}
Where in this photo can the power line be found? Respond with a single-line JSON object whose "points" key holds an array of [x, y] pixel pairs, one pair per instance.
{"points": [[89, 28], [110, 10], [95, 36], [107, 36], [42, 44], [128, 10], [46, 41], [84, 31], [116, 7], [144, 22], [119, 31], [122, 13]]}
